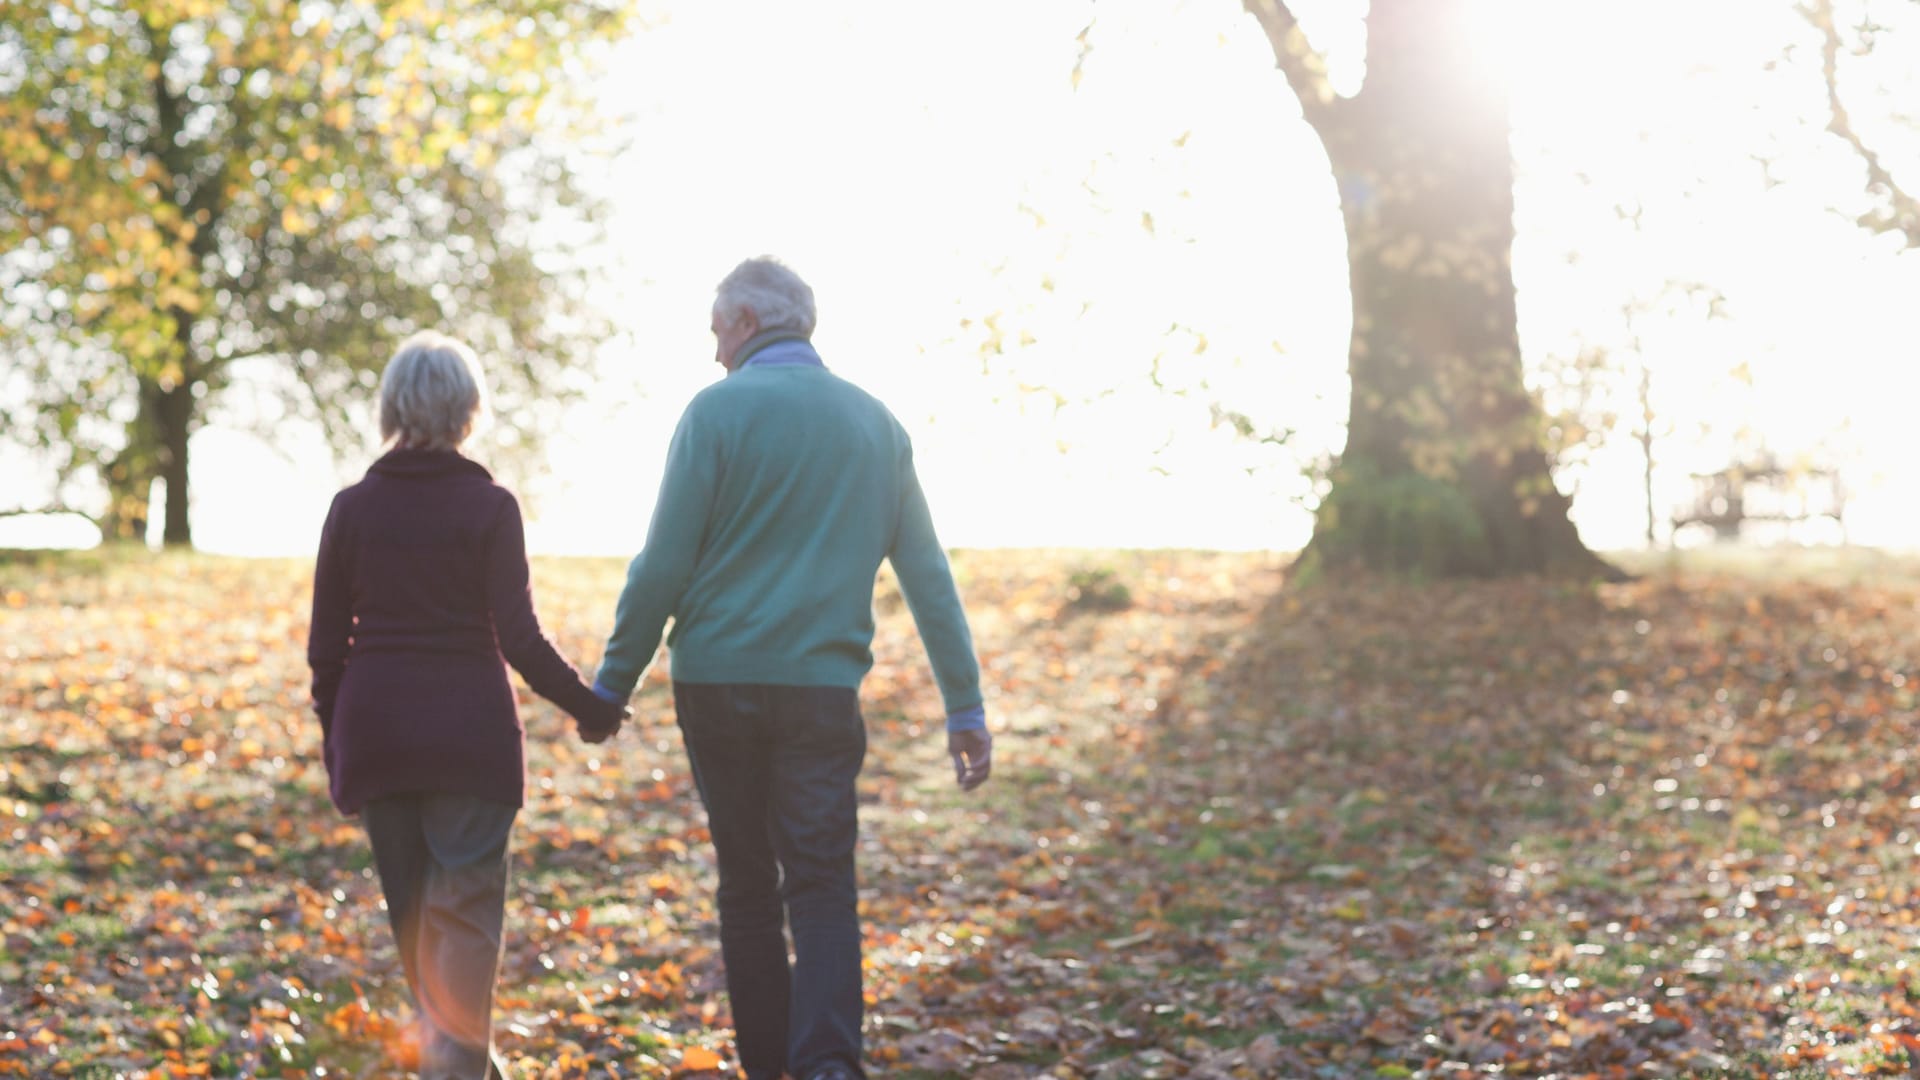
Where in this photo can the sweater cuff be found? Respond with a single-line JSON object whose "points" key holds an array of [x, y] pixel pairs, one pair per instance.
{"points": [[610, 696], [969, 719]]}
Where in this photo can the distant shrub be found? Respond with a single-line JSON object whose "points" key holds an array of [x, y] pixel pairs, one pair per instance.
{"points": [[1097, 589]]}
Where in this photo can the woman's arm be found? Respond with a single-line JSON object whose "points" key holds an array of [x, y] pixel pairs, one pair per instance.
{"points": [[330, 631], [522, 642]]}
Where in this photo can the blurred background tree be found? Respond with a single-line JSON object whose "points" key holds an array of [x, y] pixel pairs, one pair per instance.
{"points": [[192, 186], [1445, 469]]}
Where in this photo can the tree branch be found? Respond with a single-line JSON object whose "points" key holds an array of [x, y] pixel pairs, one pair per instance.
{"points": [[1297, 59], [50, 508], [1901, 214]]}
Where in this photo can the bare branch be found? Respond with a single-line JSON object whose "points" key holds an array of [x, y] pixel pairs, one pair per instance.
{"points": [[50, 508], [1901, 214], [1302, 64]]}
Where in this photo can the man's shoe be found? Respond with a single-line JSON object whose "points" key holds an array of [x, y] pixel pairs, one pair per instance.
{"points": [[833, 1070]]}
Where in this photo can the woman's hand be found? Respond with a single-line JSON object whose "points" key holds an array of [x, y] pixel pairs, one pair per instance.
{"points": [[600, 735], [599, 719]]}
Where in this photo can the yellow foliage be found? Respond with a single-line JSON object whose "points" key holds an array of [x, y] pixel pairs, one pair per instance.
{"points": [[185, 299]]}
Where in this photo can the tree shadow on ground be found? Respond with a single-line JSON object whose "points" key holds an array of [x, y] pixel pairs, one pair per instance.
{"points": [[1542, 826]]}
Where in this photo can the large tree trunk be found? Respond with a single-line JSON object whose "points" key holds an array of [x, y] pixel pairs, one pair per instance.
{"points": [[125, 519], [1444, 470], [156, 450], [173, 397], [129, 487], [176, 428], [129, 476]]}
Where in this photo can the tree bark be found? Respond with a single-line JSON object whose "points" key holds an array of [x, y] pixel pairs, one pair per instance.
{"points": [[128, 488], [175, 416], [1445, 470], [129, 476]]}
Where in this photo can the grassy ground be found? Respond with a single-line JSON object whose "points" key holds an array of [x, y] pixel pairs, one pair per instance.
{"points": [[1362, 828]]}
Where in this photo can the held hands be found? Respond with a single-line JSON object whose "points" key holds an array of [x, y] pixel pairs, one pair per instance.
{"points": [[602, 734], [599, 719], [972, 757]]}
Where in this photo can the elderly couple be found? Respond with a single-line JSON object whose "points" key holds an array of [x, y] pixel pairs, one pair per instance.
{"points": [[785, 488]]}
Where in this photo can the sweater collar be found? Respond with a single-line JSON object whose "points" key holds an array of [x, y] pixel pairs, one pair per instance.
{"points": [[778, 348], [427, 464]]}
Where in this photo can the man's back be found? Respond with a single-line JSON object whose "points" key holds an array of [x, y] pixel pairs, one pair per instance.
{"points": [[785, 487], [806, 503]]}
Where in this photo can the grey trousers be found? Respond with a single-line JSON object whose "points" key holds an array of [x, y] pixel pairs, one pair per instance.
{"points": [[443, 867]]}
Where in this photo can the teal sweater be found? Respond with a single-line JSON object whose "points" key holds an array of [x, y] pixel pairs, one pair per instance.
{"points": [[785, 488]]}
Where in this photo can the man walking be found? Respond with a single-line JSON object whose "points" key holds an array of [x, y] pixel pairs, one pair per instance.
{"points": [[785, 488]]}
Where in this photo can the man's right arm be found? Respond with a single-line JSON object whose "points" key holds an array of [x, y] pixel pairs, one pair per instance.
{"points": [[927, 583], [658, 576]]}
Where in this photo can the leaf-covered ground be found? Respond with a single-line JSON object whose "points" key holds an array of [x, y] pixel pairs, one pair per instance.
{"points": [[1238, 827]]}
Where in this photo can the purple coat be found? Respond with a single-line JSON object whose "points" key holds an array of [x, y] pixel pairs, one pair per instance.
{"points": [[420, 601]]}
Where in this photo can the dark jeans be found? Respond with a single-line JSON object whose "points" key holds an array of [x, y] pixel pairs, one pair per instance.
{"points": [[776, 766], [443, 868]]}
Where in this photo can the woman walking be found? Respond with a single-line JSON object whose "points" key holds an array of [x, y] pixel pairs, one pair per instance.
{"points": [[420, 601]]}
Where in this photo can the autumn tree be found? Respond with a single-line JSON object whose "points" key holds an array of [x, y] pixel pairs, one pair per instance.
{"points": [[1444, 470], [193, 184]]}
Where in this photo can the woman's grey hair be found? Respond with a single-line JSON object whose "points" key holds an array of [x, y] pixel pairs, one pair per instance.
{"points": [[432, 393], [775, 295]]}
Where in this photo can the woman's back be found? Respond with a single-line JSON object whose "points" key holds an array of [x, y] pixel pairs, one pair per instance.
{"points": [[420, 593], [417, 538]]}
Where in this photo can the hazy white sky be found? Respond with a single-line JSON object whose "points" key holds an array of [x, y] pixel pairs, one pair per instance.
{"points": [[926, 171]]}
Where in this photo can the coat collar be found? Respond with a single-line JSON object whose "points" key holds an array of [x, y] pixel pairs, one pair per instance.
{"points": [[793, 347], [427, 464]]}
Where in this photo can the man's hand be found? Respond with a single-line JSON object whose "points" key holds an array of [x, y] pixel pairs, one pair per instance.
{"points": [[602, 734], [600, 719], [972, 757]]}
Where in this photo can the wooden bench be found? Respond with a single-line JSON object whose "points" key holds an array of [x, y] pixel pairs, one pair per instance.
{"points": [[1763, 490]]}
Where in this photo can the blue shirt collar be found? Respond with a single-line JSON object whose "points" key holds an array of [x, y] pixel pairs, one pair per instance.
{"points": [[780, 350]]}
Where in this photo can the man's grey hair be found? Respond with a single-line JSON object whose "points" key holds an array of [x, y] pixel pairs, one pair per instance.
{"points": [[432, 393], [769, 289]]}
